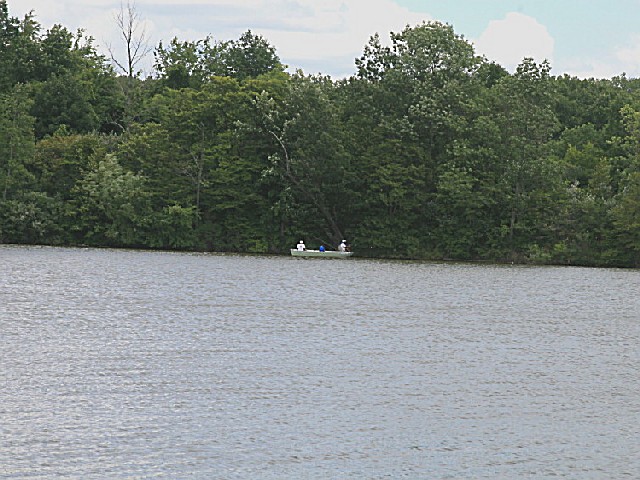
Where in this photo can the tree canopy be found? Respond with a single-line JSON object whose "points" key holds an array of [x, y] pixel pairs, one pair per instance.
{"points": [[427, 151]]}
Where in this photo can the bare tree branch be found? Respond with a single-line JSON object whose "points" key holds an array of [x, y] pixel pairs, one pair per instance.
{"points": [[134, 35]]}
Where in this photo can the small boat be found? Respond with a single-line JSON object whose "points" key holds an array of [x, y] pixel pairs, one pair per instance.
{"points": [[317, 253]]}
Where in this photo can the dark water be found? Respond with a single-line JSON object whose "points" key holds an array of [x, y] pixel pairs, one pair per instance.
{"points": [[120, 364]]}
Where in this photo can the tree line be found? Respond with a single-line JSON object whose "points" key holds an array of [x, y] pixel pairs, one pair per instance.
{"points": [[427, 151]]}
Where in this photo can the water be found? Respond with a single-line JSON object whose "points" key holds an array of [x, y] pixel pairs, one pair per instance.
{"points": [[121, 364]]}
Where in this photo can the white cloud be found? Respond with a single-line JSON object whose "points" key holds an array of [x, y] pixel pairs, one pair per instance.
{"points": [[338, 28], [628, 57], [515, 37], [591, 68], [607, 63]]}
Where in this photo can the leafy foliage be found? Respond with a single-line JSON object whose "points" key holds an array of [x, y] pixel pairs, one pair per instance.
{"points": [[427, 151]]}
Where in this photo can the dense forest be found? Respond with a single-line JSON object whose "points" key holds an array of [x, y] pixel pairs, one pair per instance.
{"points": [[427, 151]]}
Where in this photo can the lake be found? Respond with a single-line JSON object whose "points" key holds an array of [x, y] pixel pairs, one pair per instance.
{"points": [[135, 364]]}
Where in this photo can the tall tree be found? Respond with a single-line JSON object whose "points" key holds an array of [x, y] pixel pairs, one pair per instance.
{"points": [[112, 204], [183, 64], [626, 220], [308, 154], [19, 49], [624, 183], [250, 56], [180, 63], [522, 111], [419, 89], [131, 27], [16, 141]]}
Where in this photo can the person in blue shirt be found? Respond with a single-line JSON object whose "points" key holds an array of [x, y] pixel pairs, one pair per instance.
{"points": [[322, 248]]}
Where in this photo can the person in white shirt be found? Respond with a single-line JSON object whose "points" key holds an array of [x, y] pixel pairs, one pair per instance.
{"points": [[301, 247], [343, 246]]}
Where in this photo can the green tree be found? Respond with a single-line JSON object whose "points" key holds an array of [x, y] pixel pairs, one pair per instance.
{"points": [[173, 227], [626, 219], [57, 56], [184, 64], [460, 214], [194, 155], [19, 51], [624, 189], [61, 159], [32, 218], [179, 64], [250, 56], [80, 90], [112, 205], [595, 102], [522, 111], [425, 77], [413, 101], [197, 126], [586, 223], [16, 142], [308, 157], [64, 101]]}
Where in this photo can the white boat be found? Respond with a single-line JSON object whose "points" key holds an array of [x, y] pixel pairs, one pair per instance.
{"points": [[317, 253]]}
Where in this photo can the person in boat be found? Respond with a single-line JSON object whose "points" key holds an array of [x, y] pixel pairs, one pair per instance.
{"points": [[301, 246], [343, 246], [322, 249]]}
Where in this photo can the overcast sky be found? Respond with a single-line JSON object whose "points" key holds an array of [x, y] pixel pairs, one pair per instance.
{"points": [[585, 38]]}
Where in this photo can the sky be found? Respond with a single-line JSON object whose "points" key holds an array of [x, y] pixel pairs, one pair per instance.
{"points": [[582, 38]]}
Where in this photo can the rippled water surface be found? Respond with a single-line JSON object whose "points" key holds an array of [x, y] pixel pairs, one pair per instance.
{"points": [[122, 364]]}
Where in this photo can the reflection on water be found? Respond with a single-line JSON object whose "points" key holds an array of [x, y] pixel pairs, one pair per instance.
{"points": [[120, 364]]}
